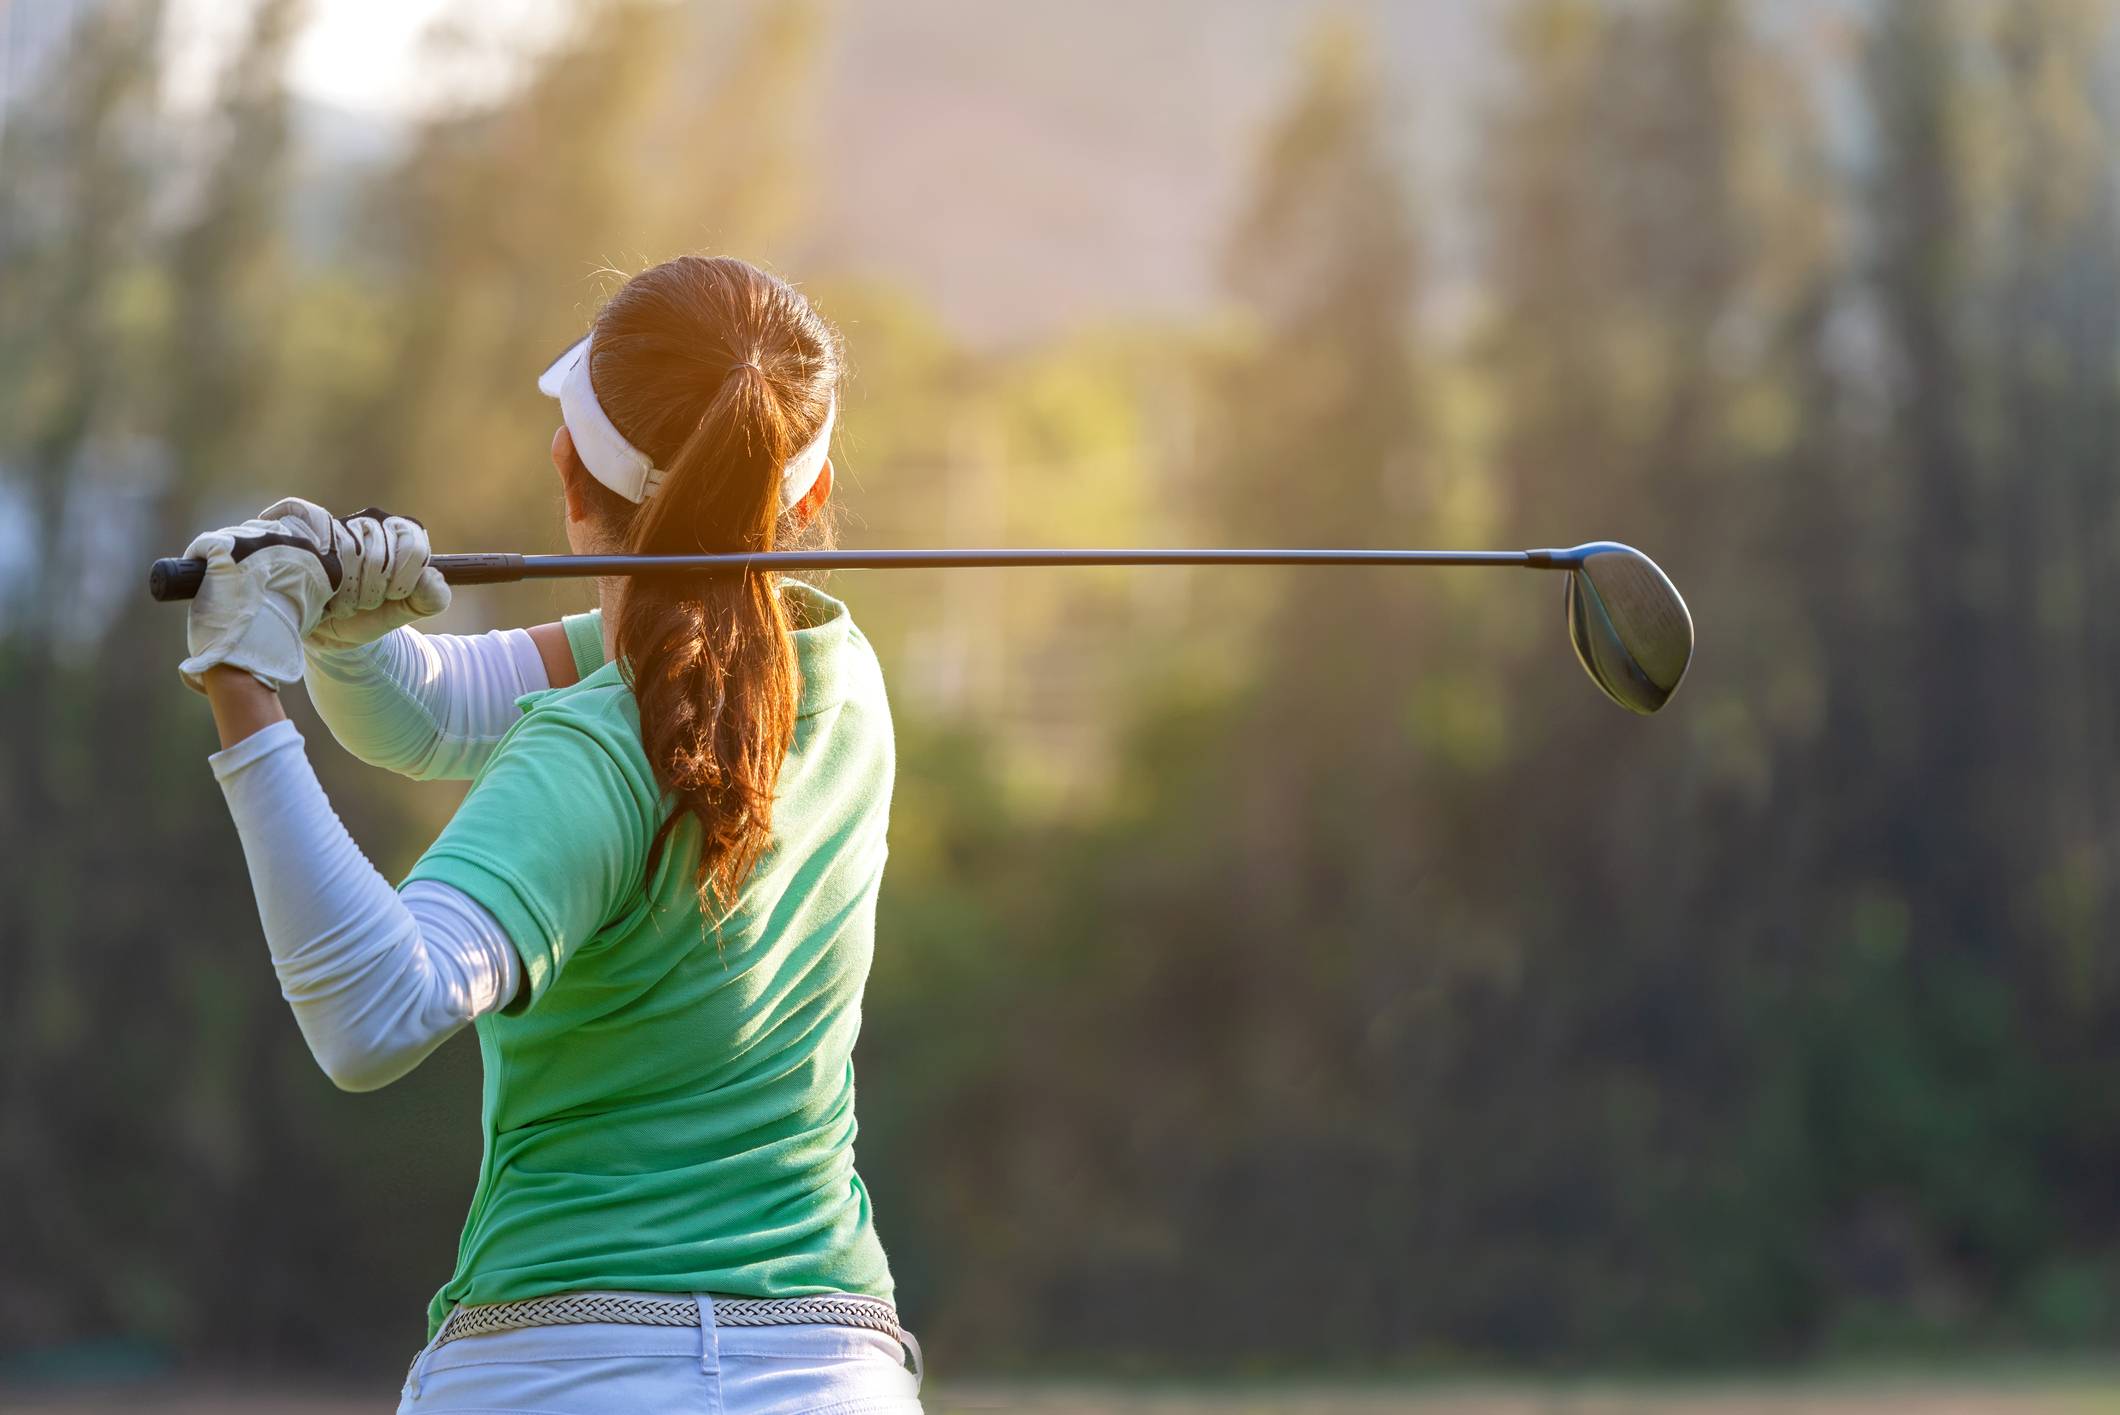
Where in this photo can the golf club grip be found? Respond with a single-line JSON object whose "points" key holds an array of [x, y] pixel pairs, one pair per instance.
{"points": [[172, 580]]}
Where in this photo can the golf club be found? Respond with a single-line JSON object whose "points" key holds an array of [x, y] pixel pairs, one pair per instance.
{"points": [[1629, 626]]}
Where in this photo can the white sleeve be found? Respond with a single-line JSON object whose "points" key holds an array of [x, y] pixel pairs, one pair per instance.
{"points": [[377, 979], [428, 706]]}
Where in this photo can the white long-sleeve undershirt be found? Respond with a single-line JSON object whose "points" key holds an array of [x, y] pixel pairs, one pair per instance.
{"points": [[377, 980], [428, 706]]}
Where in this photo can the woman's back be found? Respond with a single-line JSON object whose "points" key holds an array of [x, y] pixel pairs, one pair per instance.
{"points": [[669, 1106]]}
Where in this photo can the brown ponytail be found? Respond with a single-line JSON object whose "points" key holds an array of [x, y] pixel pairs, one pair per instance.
{"points": [[719, 372]]}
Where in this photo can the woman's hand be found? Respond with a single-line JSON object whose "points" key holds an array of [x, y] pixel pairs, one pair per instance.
{"points": [[251, 614], [387, 582]]}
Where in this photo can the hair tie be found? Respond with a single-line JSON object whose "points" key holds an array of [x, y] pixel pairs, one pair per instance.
{"points": [[734, 367]]}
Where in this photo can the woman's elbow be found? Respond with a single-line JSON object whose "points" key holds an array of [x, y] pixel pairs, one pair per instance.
{"points": [[368, 1068], [359, 1073]]}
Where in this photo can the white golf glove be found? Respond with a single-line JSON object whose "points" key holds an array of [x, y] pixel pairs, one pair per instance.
{"points": [[252, 613], [387, 583]]}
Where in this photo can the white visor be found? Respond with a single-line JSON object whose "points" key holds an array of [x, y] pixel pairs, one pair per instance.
{"points": [[628, 471]]}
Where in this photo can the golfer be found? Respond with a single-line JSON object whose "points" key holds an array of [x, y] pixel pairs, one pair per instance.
{"points": [[655, 905]]}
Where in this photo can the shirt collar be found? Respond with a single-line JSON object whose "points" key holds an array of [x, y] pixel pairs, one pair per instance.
{"points": [[820, 652], [820, 649]]}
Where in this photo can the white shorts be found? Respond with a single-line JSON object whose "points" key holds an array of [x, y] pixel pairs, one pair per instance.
{"points": [[595, 1368]]}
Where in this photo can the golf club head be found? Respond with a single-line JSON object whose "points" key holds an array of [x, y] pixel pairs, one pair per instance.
{"points": [[1628, 625]]}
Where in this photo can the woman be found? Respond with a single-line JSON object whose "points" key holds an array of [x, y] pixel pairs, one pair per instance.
{"points": [[656, 902]]}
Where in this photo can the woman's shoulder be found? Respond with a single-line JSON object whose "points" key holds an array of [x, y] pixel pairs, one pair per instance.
{"points": [[598, 714], [582, 737], [601, 695]]}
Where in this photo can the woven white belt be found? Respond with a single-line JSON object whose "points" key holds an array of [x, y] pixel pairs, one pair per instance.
{"points": [[650, 1309]]}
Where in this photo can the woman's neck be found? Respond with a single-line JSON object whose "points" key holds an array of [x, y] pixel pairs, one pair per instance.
{"points": [[610, 596]]}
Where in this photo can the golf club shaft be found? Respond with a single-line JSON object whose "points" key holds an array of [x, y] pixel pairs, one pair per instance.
{"points": [[180, 579]]}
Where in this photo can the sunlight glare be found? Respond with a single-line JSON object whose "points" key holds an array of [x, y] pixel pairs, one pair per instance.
{"points": [[371, 56]]}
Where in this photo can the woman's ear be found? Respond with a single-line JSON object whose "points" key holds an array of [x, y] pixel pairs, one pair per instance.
{"points": [[573, 477], [813, 500]]}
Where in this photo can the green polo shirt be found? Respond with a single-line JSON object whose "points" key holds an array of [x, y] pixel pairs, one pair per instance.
{"points": [[673, 1109]]}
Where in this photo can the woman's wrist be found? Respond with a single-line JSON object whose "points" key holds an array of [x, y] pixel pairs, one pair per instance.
{"points": [[242, 706]]}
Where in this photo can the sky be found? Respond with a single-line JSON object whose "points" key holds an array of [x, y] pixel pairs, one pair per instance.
{"points": [[366, 55], [360, 54]]}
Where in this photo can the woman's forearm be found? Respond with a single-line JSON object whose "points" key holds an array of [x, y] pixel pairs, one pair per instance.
{"points": [[376, 981], [242, 706]]}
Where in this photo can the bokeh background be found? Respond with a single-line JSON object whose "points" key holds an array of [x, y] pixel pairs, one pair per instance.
{"points": [[1277, 972]]}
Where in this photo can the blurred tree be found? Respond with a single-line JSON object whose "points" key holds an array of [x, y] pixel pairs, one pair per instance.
{"points": [[1577, 1036], [1969, 695], [73, 197], [1180, 1094], [1324, 258]]}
